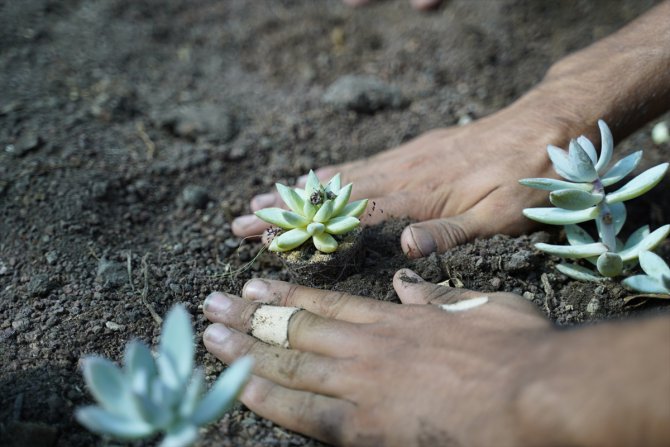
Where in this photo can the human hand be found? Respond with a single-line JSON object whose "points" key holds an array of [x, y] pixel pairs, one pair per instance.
{"points": [[367, 372], [459, 183]]}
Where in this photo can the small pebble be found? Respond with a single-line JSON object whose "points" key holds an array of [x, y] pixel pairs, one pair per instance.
{"points": [[114, 326], [195, 196]]}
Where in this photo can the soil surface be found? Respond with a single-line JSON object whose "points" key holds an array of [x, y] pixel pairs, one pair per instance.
{"points": [[133, 131]]}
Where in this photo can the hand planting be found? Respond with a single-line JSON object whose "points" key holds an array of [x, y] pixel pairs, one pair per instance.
{"points": [[317, 212], [581, 197], [164, 394]]}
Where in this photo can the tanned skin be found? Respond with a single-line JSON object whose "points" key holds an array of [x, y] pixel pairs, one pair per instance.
{"points": [[367, 372]]}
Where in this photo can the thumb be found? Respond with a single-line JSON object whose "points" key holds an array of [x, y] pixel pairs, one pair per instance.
{"points": [[438, 235], [412, 289]]}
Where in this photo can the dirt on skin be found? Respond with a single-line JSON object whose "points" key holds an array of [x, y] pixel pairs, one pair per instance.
{"points": [[133, 131]]}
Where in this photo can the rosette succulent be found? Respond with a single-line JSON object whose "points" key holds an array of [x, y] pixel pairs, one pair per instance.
{"points": [[581, 197], [163, 394], [318, 212]]}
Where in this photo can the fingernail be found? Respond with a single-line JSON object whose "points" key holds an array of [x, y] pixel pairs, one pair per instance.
{"points": [[245, 221], [216, 333], [263, 201], [410, 276], [423, 242], [256, 289], [217, 303]]}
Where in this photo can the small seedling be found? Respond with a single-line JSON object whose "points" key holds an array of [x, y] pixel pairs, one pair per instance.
{"points": [[161, 395], [317, 212], [657, 278], [581, 197]]}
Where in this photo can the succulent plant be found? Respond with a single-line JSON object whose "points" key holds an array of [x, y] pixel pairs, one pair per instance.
{"points": [[657, 278], [581, 197], [317, 212], [163, 394]]}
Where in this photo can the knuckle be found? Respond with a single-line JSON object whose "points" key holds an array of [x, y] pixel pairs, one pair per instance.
{"points": [[247, 315], [290, 297], [292, 364], [330, 305]]}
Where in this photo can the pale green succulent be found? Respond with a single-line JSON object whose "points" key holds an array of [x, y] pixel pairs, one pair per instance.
{"points": [[657, 278], [158, 395], [317, 212], [581, 197]]}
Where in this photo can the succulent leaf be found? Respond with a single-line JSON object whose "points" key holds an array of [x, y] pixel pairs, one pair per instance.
{"points": [[579, 273], [193, 394], [576, 235], [177, 341], [324, 213], [291, 198], [324, 242], [108, 385], [355, 209], [573, 251], [313, 185], [609, 264], [653, 265], [342, 199], [103, 422], [617, 216], [639, 185], [315, 228], [291, 239], [167, 369], [645, 284], [342, 224], [648, 243], [550, 184], [622, 168], [180, 436], [139, 366], [606, 146], [574, 199], [335, 184], [562, 164], [589, 148], [282, 218], [636, 237], [581, 162], [223, 393], [558, 216]]}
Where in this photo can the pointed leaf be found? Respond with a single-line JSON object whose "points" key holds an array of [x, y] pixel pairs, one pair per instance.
{"points": [[192, 394], [648, 243], [158, 416], [579, 273], [324, 242], [550, 184], [653, 265], [177, 340], [639, 185], [334, 184], [291, 239], [562, 164], [312, 184], [354, 209], [589, 148], [342, 224], [645, 284], [622, 168], [636, 237], [103, 422], [573, 251], [324, 213], [609, 264], [139, 366], [308, 210], [558, 216], [223, 393], [181, 436], [291, 198], [576, 235], [168, 371], [606, 146], [342, 199], [315, 228], [282, 218], [108, 386], [574, 199], [582, 162]]}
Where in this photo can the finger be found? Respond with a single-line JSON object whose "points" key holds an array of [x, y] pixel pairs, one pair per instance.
{"points": [[287, 367], [412, 289], [438, 235], [325, 303], [249, 225], [321, 417], [306, 330]]}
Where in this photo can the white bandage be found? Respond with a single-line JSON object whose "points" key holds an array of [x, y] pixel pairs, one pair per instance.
{"points": [[468, 304], [270, 324]]}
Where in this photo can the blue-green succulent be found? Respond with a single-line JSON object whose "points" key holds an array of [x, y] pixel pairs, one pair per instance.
{"points": [[162, 394], [318, 212], [657, 278], [581, 197]]}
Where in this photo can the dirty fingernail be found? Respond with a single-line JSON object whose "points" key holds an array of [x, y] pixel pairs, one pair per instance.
{"points": [[422, 242], [263, 201], [216, 333], [217, 303], [256, 289]]}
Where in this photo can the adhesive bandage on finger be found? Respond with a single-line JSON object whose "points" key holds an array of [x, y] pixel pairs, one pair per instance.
{"points": [[270, 324], [468, 304]]}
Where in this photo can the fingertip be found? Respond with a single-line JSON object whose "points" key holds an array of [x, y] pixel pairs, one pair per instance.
{"points": [[416, 242], [404, 283], [263, 201], [247, 225]]}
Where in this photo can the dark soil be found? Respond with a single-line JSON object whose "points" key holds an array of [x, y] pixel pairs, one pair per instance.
{"points": [[133, 131]]}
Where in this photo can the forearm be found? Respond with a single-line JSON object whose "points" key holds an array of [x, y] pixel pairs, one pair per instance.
{"points": [[623, 79], [605, 385]]}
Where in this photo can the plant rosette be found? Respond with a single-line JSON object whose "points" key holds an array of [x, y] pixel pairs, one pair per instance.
{"points": [[318, 238]]}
